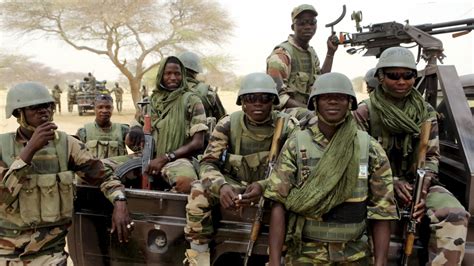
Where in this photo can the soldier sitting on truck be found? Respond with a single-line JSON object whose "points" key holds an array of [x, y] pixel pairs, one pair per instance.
{"points": [[102, 137], [393, 115], [178, 127], [235, 161], [37, 184]]}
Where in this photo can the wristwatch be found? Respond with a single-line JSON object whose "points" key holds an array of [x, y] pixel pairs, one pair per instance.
{"points": [[171, 156], [120, 198]]}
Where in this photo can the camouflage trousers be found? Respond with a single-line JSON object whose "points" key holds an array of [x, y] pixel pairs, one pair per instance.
{"points": [[119, 104], [322, 253], [178, 174], [448, 224], [58, 258], [199, 228]]}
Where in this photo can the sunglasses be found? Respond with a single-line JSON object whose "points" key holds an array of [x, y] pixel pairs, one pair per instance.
{"points": [[39, 106], [303, 22], [262, 98], [396, 75]]}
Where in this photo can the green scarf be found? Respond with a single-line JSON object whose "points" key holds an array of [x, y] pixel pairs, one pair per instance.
{"points": [[168, 110], [400, 120], [334, 177]]}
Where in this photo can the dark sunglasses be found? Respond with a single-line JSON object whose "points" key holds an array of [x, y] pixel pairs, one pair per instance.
{"points": [[303, 22], [262, 98], [39, 106], [396, 75]]}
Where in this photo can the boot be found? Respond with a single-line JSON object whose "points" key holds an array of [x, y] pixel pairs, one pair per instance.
{"points": [[195, 258]]}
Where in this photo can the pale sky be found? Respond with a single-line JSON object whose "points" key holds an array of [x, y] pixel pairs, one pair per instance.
{"points": [[261, 25]]}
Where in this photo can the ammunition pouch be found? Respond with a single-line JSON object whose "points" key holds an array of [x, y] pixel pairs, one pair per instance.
{"points": [[248, 168]]}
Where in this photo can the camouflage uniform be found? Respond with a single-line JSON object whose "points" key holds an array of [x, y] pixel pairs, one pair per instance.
{"points": [[209, 97], [118, 97], [36, 200], [295, 165], [104, 143], [448, 218], [236, 155], [71, 97], [294, 69], [56, 92]]}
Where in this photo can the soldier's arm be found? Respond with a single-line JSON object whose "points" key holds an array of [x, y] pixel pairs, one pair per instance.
{"points": [[361, 116], [211, 162], [279, 68], [327, 65]]}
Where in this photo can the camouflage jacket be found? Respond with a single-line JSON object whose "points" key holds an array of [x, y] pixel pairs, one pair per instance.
{"points": [[221, 145], [279, 67], [362, 116], [32, 240], [118, 92], [286, 175], [209, 97]]}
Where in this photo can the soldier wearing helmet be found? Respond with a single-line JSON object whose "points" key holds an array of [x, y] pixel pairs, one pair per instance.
{"points": [[234, 162], [37, 171], [393, 115], [371, 82], [208, 95], [293, 64], [118, 96], [56, 92], [330, 177]]}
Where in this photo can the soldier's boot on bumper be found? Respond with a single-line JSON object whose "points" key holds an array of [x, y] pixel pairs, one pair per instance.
{"points": [[196, 258]]}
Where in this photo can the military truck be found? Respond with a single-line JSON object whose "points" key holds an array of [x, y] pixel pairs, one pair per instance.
{"points": [[85, 96], [159, 216]]}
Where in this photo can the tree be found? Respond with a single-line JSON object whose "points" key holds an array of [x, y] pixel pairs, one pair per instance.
{"points": [[134, 35]]}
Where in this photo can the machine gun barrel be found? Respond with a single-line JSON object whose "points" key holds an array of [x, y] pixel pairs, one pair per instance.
{"points": [[469, 22]]}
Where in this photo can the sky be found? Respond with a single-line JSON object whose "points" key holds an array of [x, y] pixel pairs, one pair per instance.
{"points": [[261, 25]]}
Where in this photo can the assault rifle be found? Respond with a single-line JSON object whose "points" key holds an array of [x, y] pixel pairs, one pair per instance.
{"points": [[410, 229], [272, 156], [381, 36]]}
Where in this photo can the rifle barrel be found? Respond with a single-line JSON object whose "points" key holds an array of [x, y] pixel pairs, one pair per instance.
{"points": [[456, 29], [468, 21]]}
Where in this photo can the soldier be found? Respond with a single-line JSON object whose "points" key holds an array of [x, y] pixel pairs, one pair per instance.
{"points": [[57, 97], [37, 170], [393, 115], [330, 179], [144, 93], [91, 82], [178, 120], [244, 139], [371, 81], [118, 96], [294, 65], [71, 97], [102, 137]]}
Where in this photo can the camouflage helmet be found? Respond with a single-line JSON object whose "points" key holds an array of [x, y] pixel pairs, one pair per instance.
{"points": [[396, 57], [26, 94], [191, 61], [257, 83], [332, 83], [371, 78]]}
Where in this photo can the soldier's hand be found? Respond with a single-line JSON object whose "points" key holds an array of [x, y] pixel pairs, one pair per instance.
{"points": [[135, 138], [41, 136], [403, 189], [155, 165], [251, 195], [332, 44], [227, 195], [420, 209], [121, 221]]}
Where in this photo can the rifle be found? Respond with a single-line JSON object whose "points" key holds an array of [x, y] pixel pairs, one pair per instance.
{"points": [[272, 156], [148, 148], [417, 191]]}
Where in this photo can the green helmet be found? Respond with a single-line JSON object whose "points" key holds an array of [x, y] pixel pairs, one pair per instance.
{"points": [[257, 83], [191, 61], [396, 57], [332, 83], [26, 94], [371, 79]]}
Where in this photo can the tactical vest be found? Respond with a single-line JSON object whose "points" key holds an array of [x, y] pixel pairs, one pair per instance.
{"points": [[391, 144], [247, 154], [46, 197], [347, 221], [105, 144], [303, 73]]}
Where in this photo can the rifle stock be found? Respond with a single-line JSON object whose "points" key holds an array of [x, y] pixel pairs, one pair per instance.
{"points": [[417, 192], [272, 156]]}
